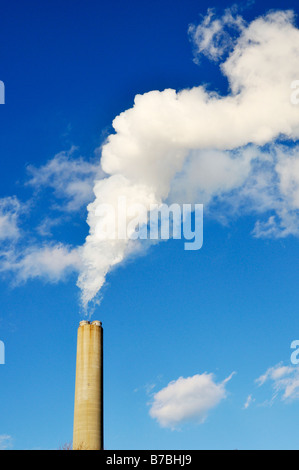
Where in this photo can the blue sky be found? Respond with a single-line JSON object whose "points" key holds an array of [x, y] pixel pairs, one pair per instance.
{"points": [[230, 308]]}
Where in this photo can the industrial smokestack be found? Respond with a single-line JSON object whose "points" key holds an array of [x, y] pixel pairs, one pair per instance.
{"points": [[88, 413]]}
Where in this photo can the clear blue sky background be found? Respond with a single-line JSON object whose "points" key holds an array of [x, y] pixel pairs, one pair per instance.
{"points": [[69, 68]]}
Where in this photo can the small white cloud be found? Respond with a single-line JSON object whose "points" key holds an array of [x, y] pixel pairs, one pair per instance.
{"points": [[248, 402], [5, 442], [70, 178], [187, 399], [45, 227], [274, 373], [284, 381], [147, 388], [213, 37], [49, 262], [10, 209]]}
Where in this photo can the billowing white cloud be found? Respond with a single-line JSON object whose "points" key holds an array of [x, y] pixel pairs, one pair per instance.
{"points": [[284, 381], [198, 146], [187, 400]]}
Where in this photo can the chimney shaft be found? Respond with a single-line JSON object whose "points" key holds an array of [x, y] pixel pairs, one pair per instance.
{"points": [[88, 413]]}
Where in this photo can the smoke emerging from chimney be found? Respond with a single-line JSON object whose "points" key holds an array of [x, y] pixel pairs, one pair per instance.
{"points": [[193, 146]]}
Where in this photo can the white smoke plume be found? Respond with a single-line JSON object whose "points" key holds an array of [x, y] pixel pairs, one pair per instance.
{"points": [[195, 145]]}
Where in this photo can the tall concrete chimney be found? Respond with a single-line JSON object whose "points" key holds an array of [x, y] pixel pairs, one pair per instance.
{"points": [[88, 413]]}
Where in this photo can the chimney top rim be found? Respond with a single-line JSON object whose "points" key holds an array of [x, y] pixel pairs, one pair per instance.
{"points": [[86, 322]]}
